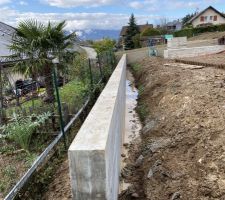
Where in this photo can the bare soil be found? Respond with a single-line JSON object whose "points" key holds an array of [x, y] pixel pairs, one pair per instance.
{"points": [[181, 154], [218, 59], [207, 36], [59, 188]]}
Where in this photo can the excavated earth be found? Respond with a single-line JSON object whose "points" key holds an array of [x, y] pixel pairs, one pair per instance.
{"points": [[181, 154]]}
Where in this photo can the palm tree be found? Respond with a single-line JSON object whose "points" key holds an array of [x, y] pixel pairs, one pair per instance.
{"points": [[35, 45]]}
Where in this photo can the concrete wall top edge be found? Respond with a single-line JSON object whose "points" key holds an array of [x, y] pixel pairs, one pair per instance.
{"points": [[94, 132], [184, 48]]}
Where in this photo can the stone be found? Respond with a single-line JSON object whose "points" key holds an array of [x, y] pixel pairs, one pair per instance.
{"points": [[139, 161], [148, 127], [175, 196], [135, 195]]}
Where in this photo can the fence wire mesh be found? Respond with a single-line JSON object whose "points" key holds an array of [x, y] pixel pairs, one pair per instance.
{"points": [[30, 117]]}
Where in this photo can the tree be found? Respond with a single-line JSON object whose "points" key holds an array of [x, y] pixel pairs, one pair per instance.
{"points": [[150, 32], [132, 30], [35, 45], [105, 44], [187, 18], [136, 41]]}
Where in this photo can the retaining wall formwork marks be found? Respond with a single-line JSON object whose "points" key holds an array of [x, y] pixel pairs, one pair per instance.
{"points": [[94, 155]]}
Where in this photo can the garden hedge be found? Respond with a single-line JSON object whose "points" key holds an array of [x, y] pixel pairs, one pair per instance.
{"points": [[190, 32]]}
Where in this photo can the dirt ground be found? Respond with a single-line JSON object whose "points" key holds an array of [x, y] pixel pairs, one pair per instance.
{"points": [[182, 153], [218, 59], [207, 36], [59, 188]]}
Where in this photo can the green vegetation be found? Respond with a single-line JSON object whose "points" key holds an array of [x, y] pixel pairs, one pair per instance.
{"points": [[136, 41], [34, 39], [20, 129], [136, 67], [190, 32], [74, 92], [132, 30], [103, 45], [150, 32], [142, 110], [187, 18]]}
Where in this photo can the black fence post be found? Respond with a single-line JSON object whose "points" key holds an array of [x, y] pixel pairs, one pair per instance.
{"points": [[100, 67], [91, 76], [59, 105], [1, 95]]}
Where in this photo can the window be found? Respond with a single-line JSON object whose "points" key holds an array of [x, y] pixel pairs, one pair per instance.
{"points": [[202, 19], [206, 18], [215, 18], [211, 18]]}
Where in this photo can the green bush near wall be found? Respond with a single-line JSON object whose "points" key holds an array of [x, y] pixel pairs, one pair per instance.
{"points": [[190, 32]]}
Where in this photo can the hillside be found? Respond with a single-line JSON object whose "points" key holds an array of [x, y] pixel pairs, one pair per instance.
{"points": [[207, 36]]}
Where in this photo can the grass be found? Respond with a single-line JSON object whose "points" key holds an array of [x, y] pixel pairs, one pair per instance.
{"points": [[74, 91], [136, 67]]}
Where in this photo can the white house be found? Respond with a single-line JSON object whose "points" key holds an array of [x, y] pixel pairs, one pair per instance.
{"points": [[6, 34], [209, 16]]}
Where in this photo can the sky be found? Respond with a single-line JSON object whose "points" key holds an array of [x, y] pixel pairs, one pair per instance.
{"points": [[100, 14]]}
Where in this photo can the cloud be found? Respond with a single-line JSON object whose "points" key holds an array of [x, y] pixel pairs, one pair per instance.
{"points": [[23, 3], [75, 21], [4, 2], [77, 3], [164, 5]]}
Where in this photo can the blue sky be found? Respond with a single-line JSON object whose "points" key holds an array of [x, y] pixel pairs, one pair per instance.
{"points": [[101, 14]]}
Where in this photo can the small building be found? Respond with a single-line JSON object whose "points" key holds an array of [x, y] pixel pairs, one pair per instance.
{"points": [[176, 25], [123, 32], [6, 34], [209, 16]]}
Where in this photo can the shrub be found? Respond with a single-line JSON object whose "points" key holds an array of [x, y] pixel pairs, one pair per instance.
{"points": [[190, 32], [20, 129], [150, 32], [136, 41]]}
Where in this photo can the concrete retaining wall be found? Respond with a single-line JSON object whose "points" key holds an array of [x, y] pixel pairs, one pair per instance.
{"points": [[94, 155], [138, 55], [193, 52], [177, 42], [135, 55]]}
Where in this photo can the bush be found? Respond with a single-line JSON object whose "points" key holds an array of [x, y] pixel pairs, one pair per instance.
{"points": [[20, 129], [190, 32], [150, 32], [136, 41]]}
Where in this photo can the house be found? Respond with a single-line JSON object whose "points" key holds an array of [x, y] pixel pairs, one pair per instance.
{"points": [[123, 32], [176, 25], [6, 33], [209, 16]]}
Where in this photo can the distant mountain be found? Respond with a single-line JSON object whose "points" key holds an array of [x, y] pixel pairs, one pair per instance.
{"points": [[96, 34]]}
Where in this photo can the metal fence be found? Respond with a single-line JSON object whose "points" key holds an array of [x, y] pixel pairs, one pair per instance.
{"points": [[74, 90]]}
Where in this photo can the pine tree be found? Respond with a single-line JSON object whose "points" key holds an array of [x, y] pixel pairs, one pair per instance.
{"points": [[132, 30]]}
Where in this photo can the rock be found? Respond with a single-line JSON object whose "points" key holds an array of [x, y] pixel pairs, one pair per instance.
{"points": [[156, 167], [125, 144], [150, 174], [123, 155], [158, 144], [149, 126], [139, 161], [175, 196], [135, 195]]}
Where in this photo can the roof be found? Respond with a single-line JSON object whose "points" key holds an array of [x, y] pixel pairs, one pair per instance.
{"points": [[141, 28], [174, 23], [6, 33], [198, 14]]}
